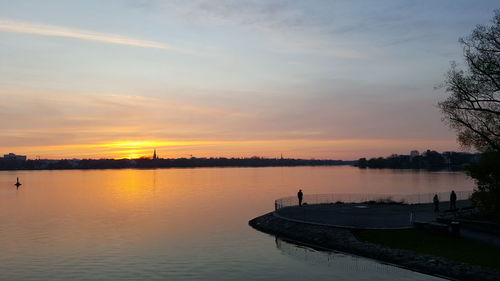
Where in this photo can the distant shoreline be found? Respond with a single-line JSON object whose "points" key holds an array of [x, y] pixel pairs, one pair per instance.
{"points": [[176, 167], [144, 163]]}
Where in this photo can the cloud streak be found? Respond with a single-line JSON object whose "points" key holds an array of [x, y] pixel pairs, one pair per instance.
{"points": [[59, 31]]}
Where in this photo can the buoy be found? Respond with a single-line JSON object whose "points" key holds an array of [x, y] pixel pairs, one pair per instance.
{"points": [[18, 184]]}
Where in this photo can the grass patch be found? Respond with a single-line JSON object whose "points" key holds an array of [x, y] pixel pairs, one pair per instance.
{"points": [[424, 242]]}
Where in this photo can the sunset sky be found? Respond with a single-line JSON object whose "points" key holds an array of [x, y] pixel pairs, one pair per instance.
{"points": [[309, 79]]}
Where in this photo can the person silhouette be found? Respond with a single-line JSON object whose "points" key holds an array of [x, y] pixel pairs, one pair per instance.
{"points": [[453, 200], [436, 203], [300, 195]]}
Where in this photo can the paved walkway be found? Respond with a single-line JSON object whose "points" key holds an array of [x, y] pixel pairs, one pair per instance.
{"points": [[371, 216]]}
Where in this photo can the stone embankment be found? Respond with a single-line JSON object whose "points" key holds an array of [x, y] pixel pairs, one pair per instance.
{"points": [[341, 239]]}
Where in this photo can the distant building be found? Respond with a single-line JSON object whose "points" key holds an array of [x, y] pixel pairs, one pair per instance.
{"points": [[414, 153], [154, 155], [426, 153], [12, 156]]}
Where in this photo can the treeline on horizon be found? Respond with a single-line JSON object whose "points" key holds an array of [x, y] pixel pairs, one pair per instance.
{"points": [[145, 163], [429, 160]]}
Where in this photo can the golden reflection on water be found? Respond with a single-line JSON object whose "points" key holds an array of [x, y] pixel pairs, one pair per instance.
{"points": [[109, 219]]}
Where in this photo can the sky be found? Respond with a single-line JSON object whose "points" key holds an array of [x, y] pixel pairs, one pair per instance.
{"points": [[214, 78]]}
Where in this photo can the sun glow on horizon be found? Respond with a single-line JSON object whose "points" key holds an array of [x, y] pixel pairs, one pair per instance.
{"points": [[344, 149], [143, 149]]}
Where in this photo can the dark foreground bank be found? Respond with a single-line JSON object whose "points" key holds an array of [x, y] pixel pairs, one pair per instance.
{"points": [[331, 238]]}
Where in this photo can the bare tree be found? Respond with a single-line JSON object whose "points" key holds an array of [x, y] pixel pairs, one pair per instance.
{"points": [[473, 107]]}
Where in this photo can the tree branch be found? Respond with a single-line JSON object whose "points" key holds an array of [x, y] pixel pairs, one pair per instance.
{"points": [[483, 136]]}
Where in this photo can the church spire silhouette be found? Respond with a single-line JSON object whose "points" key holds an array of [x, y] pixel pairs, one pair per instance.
{"points": [[154, 155]]}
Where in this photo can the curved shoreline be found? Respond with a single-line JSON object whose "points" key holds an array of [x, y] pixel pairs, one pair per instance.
{"points": [[341, 239]]}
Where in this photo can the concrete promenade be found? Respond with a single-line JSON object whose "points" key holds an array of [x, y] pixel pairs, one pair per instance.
{"points": [[365, 216]]}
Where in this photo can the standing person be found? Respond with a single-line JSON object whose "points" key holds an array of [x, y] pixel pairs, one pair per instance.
{"points": [[436, 203], [453, 200], [300, 195]]}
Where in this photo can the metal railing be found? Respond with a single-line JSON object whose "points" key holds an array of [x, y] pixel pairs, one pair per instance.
{"points": [[421, 198]]}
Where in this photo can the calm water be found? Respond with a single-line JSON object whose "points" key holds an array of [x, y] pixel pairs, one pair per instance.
{"points": [[181, 224]]}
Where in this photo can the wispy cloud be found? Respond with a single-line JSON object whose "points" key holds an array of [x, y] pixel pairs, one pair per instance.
{"points": [[59, 31], [280, 26]]}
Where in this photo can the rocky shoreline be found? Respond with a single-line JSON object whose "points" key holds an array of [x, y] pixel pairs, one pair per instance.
{"points": [[341, 239]]}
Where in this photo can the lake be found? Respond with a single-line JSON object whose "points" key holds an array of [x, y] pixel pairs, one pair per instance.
{"points": [[182, 224]]}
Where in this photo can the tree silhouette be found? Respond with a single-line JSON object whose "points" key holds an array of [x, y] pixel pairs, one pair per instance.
{"points": [[473, 110], [473, 107]]}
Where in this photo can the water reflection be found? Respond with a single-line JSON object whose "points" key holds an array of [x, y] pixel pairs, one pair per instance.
{"points": [[328, 258], [347, 265], [178, 224]]}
